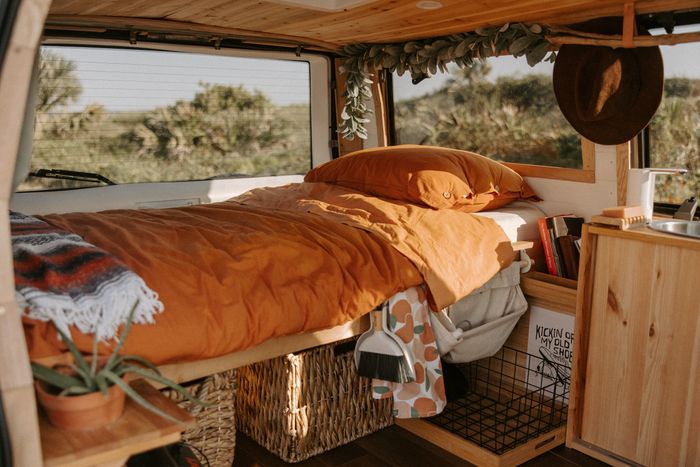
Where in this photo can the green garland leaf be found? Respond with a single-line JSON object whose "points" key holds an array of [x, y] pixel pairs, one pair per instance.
{"points": [[423, 58]]}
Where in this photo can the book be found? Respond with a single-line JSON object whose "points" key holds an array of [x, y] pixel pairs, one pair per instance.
{"points": [[569, 255], [556, 252], [547, 246], [559, 234], [567, 228]]}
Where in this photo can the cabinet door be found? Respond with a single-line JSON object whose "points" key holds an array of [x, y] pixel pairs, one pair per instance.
{"points": [[641, 395]]}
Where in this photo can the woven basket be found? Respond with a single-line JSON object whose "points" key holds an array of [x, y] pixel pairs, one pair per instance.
{"points": [[215, 432], [304, 404]]}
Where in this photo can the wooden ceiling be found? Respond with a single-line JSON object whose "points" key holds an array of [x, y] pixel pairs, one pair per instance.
{"points": [[376, 21]]}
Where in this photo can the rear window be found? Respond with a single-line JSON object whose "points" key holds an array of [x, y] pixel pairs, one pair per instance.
{"points": [[500, 107], [151, 116]]}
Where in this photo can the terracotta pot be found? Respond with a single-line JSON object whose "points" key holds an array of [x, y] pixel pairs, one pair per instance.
{"points": [[84, 412]]}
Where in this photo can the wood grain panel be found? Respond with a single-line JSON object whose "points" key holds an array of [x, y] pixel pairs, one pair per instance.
{"points": [[582, 327], [613, 370], [555, 293], [376, 21], [472, 453], [635, 379], [622, 169], [15, 375]]}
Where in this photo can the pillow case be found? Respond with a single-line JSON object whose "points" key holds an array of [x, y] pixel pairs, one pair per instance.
{"points": [[433, 176]]}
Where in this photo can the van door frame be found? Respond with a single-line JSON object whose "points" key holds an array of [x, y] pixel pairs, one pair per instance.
{"points": [[16, 382]]}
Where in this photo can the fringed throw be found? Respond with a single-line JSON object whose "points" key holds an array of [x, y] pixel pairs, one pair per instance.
{"points": [[59, 277]]}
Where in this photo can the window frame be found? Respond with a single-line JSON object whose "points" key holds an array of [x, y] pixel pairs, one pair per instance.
{"points": [[320, 77], [642, 157]]}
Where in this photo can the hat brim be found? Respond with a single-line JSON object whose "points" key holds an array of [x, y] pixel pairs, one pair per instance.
{"points": [[625, 123]]}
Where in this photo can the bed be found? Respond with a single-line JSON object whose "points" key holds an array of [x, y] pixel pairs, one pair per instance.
{"points": [[317, 256]]}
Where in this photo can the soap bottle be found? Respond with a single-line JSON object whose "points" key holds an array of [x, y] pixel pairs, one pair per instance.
{"points": [[640, 188]]}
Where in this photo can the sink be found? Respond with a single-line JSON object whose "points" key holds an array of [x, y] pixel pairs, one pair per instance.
{"points": [[678, 227]]}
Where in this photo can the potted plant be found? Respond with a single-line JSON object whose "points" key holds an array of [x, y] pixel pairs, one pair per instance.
{"points": [[90, 392]]}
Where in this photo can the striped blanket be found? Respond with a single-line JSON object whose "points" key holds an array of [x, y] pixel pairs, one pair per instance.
{"points": [[61, 278]]}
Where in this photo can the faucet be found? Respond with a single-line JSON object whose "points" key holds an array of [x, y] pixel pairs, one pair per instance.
{"points": [[640, 188], [687, 209]]}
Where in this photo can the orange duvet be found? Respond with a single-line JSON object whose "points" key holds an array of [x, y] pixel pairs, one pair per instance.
{"points": [[280, 261]]}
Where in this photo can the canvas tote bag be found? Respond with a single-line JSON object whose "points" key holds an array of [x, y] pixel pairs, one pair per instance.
{"points": [[477, 326]]}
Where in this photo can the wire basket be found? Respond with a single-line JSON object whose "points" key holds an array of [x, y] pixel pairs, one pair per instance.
{"points": [[512, 397]]}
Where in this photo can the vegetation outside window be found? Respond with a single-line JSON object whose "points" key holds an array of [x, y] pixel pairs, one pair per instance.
{"points": [[674, 132], [150, 116], [501, 108]]}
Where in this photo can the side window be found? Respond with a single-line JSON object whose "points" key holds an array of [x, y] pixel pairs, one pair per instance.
{"points": [[501, 108], [674, 132], [149, 116]]}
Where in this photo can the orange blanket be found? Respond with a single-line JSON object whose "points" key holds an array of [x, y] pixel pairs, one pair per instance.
{"points": [[279, 261]]}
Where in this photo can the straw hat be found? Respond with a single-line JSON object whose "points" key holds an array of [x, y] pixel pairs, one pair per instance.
{"points": [[608, 95]]}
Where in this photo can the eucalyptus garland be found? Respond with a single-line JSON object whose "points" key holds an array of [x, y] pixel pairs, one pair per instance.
{"points": [[423, 58]]}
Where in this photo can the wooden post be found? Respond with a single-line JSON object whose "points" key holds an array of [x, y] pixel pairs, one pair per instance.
{"points": [[623, 167], [628, 26], [380, 117], [16, 381]]}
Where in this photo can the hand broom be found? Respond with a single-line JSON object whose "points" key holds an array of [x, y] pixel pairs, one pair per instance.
{"points": [[382, 355]]}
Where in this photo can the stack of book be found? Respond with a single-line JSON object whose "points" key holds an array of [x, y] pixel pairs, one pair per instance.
{"points": [[561, 242]]}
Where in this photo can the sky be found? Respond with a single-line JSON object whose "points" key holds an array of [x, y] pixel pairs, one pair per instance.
{"points": [[128, 79]]}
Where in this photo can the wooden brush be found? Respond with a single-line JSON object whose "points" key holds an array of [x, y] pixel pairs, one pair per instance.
{"points": [[381, 355]]}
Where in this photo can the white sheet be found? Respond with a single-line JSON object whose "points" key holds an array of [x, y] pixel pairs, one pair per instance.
{"points": [[518, 220]]}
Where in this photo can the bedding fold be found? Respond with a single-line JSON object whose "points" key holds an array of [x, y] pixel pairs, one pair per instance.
{"points": [[279, 261]]}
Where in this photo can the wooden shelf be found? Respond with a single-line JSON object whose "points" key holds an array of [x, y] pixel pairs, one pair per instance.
{"points": [[138, 430], [551, 290]]}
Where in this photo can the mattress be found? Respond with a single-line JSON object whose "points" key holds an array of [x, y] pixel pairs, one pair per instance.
{"points": [[518, 220]]}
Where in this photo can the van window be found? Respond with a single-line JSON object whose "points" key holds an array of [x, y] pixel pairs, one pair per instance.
{"points": [[674, 132], [501, 108], [150, 116]]}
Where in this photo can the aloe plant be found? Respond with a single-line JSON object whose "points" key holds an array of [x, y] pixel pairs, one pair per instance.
{"points": [[88, 376]]}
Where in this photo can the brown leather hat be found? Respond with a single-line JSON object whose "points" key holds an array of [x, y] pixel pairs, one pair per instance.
{"points": [[608, 95]]}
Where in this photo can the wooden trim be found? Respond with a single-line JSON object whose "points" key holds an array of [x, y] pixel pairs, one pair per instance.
{"points": [[586, 174], [344, 146], [381, 119], [470, 452], [16, 382], [183, 27], [647, 235], [623, 152], [588, 154], [628, 26], [597, 453], [550, 280], [557, 292], [616, 41], [555, 173], [521, 245], [188, 371], [578, 369]]}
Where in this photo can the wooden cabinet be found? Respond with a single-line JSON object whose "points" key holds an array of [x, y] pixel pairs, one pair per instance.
{"points": [[636, 377]]}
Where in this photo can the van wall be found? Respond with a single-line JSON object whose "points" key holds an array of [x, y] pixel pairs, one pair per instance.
{"points": [[581, 199]]}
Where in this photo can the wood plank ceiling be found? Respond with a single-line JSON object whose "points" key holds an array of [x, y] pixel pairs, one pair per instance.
{"points": [[376, 21]]}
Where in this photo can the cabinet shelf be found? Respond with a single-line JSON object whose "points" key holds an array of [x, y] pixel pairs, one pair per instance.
{"points": [[551, 290], [137, 430]]}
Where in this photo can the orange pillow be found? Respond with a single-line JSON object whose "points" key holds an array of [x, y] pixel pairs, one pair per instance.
{"points": [[434, 176]]}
